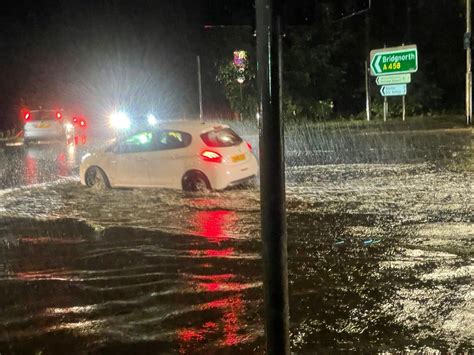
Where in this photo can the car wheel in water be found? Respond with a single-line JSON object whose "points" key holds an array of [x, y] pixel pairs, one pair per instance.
{"points": [[95, 177], [196, 181]]}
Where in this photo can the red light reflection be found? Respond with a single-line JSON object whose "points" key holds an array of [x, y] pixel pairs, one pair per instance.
{"points": [[78, 139], [230, 322], [62, 164], [229, 326], [222, 253], [214, 225], [30, 173]]}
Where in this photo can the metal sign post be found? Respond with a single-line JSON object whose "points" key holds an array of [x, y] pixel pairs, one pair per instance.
{"points": [[392, 68], [403, 108], [272, 177], [199, 87], [367, 91]]}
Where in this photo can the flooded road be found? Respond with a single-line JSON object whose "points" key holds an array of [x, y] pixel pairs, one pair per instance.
{"points": [[380, 260]]}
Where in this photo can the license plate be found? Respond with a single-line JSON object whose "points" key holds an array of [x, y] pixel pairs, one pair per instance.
{"points": [[42, 125], [237, 158]]}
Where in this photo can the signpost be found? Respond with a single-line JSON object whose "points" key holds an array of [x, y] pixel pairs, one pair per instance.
{"points": [[392, 68], [393, 79], [393, 90], [395, 60]]}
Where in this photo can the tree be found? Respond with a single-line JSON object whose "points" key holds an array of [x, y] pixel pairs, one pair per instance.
{"points": [[240, 87]]}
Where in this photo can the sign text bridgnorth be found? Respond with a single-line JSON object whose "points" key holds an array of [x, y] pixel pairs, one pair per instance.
{"points": [[396, 60]]}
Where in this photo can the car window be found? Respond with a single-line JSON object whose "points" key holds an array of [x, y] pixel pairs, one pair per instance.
{"points": [[172, 140], [137, 143], [224, 137], [42, 115]]}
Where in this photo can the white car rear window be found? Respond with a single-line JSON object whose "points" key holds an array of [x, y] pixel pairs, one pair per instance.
{"points": [[223, 137], [42, 115]]}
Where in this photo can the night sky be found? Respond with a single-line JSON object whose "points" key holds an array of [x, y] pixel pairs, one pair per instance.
{"points": [[93, 56]]}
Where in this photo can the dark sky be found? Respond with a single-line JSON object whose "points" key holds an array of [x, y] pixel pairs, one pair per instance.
{"points": [[97, 55]]}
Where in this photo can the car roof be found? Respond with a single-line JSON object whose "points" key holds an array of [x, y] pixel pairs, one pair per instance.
{"points": [[189, 126]]}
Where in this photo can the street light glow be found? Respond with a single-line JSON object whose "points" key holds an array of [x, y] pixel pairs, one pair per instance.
{"points": [[120, 120], [152, 119]]}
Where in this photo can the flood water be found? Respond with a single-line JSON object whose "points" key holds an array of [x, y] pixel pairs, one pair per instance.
{"points": [[380, 256]]}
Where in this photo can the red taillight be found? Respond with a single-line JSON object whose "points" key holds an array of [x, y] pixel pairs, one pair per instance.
{"points": [[82, 123], [74, 120], [59, 115], [209, 155], [27, 116], [249, 146]]}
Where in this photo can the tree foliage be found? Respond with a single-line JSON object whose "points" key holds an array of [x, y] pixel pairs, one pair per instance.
{"points": [[240, 87]]}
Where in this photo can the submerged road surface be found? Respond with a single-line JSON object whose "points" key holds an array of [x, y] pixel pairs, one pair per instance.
{"points": [[380, 258]]}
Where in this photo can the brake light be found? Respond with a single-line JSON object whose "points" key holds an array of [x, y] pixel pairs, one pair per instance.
{"points": [[209, 155], [249, 146], [82, 123], [74, 120], [59, 115], [27, 116]]}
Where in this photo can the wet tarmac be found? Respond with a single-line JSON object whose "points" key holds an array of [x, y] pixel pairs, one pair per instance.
{"points": [[380, 259]]}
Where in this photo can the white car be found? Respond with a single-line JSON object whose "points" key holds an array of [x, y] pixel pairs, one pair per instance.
{"points": [[45, 125], [186, 155]]}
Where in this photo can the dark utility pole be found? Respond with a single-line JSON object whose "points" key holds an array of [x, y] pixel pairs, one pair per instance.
{"points": [[199, 87], [467, 45], [367, 61], [272, 177]]}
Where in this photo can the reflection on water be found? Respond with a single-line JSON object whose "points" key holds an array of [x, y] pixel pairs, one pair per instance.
{"points": [[30, 167], [228, 328], [45, 162], [131, 292], [379, 261], [215, 224], [41, 162]]}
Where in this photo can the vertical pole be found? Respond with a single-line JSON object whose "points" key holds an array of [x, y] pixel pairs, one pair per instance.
{"points": [[468, 66], [272, 178], [367, 51], [199, 87], [367, 91], [241, 101], [385, 101], [470, 97], [403, 108]]}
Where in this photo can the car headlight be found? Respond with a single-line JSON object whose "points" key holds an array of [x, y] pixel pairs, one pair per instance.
{"points": [[120, 120], [152, 119]]}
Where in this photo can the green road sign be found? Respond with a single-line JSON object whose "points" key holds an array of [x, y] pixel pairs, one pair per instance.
{"points": [[394, 90], [395, 60], [393, 79]]}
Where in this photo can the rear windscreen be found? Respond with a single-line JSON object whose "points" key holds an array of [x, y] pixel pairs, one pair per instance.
{"points": [[42, 115], [224, 137]]}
